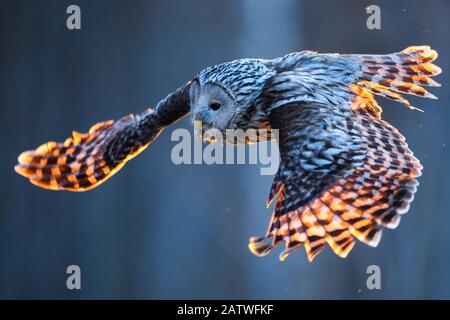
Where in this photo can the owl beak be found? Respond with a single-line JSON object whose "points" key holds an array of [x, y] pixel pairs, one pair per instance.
{"points": [[201, 115]]}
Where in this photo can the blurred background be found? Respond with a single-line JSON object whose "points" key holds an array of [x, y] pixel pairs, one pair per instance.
{"points": [[161, 231]]}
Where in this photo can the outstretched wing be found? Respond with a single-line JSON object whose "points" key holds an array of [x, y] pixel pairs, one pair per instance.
{"points": [[351, 80], [342, 176], [344, 172], [392, 75], [85, 160]]}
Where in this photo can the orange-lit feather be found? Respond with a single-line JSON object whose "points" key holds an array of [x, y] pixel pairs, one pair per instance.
{"points": [[84, 160], [395, 74]]}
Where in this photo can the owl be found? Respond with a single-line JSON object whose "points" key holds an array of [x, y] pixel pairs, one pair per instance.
{"points": [[344, 173]]}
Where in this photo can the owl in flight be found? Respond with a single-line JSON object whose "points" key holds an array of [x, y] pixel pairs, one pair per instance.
{"points": [[344, 172]]}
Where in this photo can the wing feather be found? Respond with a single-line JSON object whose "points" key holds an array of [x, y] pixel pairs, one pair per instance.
{"points": [[85, 160], [343, 176]]}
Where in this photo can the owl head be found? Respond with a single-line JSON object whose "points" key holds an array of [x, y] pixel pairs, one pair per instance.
{"points": [[220, 94]]}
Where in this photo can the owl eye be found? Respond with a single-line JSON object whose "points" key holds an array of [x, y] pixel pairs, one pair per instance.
{"points": [[215, 106]]}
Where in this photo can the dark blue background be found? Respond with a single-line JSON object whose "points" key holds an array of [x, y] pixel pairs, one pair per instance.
{"points": [[157, 230]]}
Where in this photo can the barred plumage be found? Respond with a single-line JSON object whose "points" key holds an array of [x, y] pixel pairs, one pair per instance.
{"points": [[85, 160], [345, 173], [342, 177]]}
